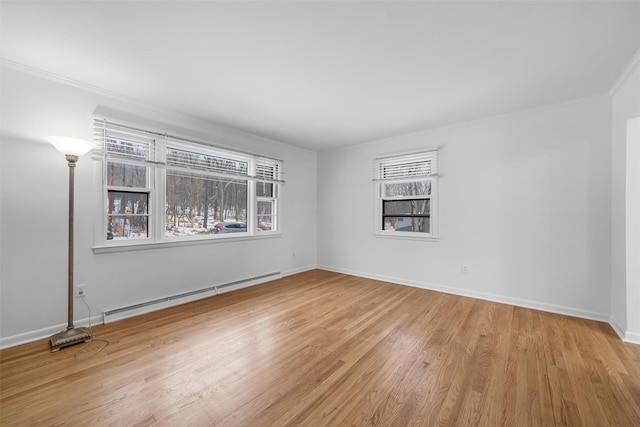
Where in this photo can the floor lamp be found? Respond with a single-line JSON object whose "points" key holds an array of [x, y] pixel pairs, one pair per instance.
{"points": [[72, 148]]}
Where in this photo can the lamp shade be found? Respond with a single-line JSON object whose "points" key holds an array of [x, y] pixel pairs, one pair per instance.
{"points": [[71, 146]]}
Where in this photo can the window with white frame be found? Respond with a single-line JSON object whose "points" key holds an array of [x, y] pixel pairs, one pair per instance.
{"points": [[160, 188], [267, 195], [406, 188]]}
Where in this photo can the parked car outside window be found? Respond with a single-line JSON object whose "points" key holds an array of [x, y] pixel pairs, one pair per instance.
{"points": [[229, 227]]}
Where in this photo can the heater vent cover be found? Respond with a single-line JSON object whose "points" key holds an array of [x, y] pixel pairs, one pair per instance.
{"points": [[157, 304]]}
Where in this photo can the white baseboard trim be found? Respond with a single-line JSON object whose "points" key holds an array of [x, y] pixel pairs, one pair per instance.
{"points": [[299, 270], [616, 328], [626, 336], [632, 337], [551, 308]]}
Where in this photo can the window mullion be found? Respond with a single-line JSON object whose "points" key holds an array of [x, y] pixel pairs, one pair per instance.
{"points": [[159, 192], [252, 202]]}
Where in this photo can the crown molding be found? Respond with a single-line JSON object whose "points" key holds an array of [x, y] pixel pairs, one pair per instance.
{"points": [[118, 96], [37, 72]]}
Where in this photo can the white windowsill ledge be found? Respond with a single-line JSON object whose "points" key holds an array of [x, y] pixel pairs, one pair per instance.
{"points": [[141, 246], [406, 237]]}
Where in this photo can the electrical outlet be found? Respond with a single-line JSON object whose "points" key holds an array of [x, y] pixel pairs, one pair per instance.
{"points": [[80, 291]]}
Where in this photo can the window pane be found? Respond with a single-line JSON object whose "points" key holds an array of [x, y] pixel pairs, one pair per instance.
{"points": [[122, 227], [406, 215], [126, 175], [406, 207], [127, 215], [128, 202], [195, 204], [265, 215], [264, 189], [411, 224], [413, 188]]}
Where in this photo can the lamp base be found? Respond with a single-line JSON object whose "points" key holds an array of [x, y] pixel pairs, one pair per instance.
{"points": [[69, 337]]}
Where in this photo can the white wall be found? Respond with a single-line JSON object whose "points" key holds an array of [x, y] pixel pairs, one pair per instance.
{"points": [[534, 202], [34, 214], [524, 202], [625, 258]]}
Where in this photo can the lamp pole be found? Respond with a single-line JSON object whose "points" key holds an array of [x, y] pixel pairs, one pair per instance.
{"points": [[72, 148], [72, 160]]}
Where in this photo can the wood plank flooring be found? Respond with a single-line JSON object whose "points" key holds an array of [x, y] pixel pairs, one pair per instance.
{"points": [[326, 349]]}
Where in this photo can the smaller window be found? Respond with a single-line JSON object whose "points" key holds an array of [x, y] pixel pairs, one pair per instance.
{"points": [[128, 181], [405, 190], [267, 176]]}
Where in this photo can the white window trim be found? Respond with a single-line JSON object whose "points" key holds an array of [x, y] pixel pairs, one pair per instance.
{"points": [[157, 194], [378, 231]]}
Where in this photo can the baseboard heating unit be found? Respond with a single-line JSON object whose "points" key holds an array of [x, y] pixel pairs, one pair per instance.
{"points": [[109, 316]]}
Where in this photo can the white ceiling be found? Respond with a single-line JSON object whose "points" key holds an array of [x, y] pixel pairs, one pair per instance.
{"points": [[321, 75]]}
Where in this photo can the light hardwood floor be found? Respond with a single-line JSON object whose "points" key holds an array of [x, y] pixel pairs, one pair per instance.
{"points": [[326, 349]]}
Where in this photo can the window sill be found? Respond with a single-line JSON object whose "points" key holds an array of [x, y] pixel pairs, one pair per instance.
{"points": [[406, 236], [140, 246]]}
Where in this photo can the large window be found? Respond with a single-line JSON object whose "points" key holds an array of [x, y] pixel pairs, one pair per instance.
{"points": [[160, 188], [406, 187]]}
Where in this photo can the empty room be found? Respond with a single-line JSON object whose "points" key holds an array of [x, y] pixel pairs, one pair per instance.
{"points": [[320, 213]]}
